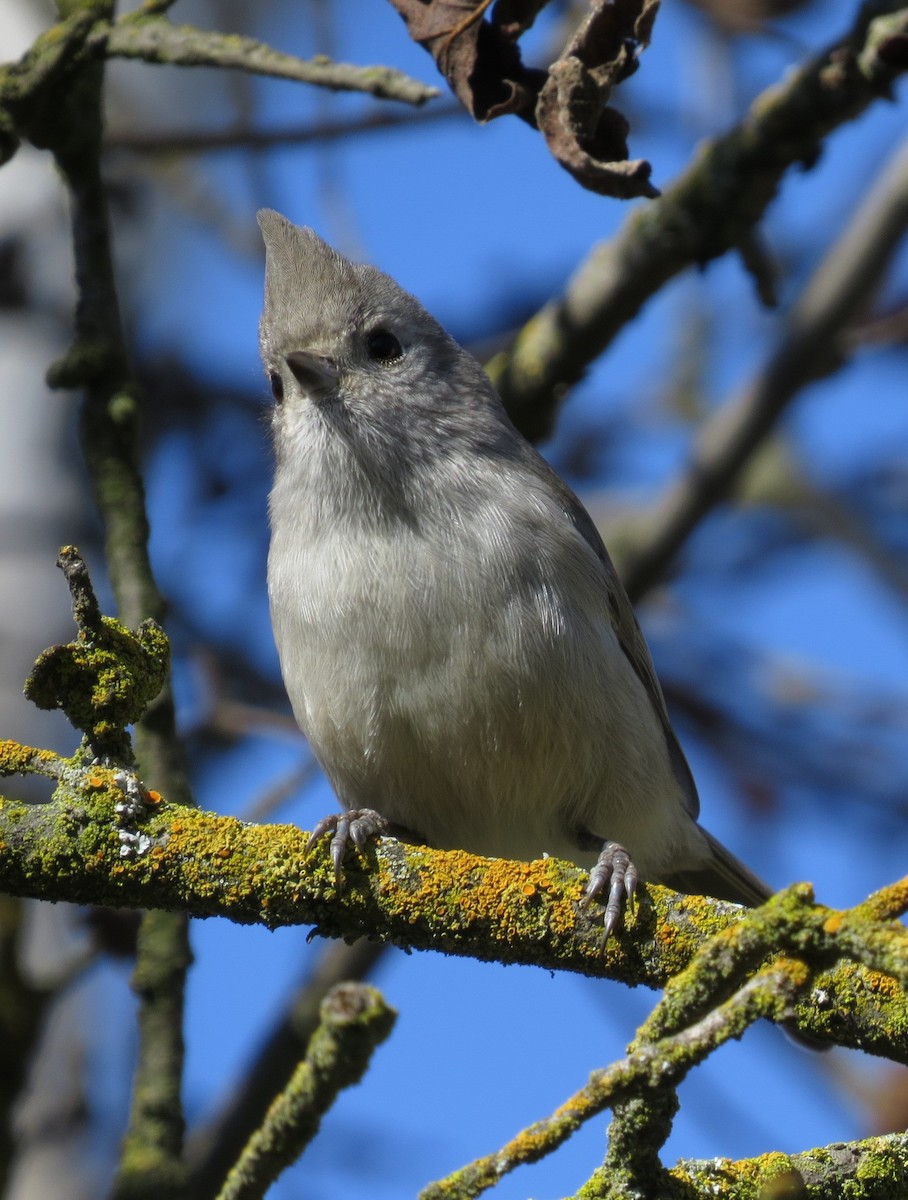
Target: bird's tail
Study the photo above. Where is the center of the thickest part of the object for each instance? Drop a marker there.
(722, 876)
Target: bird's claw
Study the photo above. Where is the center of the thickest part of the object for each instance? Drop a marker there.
(355, 825)
(614, 877)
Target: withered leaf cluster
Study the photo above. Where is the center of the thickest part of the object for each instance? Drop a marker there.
(475, 46)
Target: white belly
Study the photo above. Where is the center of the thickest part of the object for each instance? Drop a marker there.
(497, 716)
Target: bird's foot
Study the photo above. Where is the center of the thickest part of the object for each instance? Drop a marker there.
(354, 825)
(614, 877)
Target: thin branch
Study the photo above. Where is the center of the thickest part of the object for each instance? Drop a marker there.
(28, 760)
(651, 1067)
(716, 997)
(354, 1020)
(888, 904)
(155, 39)
(157, 6)
(711, 208)
(810, 348)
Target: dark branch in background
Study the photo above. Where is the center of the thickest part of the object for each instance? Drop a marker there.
(329, 130)
(710, 209)
(54, 97)
(568, 103)
(782, 730)
(885, 329)
(811, 346)
(23, 1005)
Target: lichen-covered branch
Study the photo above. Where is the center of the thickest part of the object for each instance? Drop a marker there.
(709, 210)
(85, 846)
(36, 93)
(873, 1169)
(717, 996)
(104, 680)
(354, 1021)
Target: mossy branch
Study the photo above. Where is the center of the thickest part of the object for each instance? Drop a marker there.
(212, 1147)
(873, 1169)
(354, 1020)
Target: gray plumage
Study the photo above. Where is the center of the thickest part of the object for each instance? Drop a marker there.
(453, 637)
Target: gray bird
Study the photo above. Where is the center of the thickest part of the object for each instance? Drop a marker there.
(454, 639)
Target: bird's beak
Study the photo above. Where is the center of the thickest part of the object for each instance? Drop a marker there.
(317, 375)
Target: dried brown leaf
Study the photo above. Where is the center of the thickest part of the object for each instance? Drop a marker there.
(569, 103)
(481, 64)
(588, 138)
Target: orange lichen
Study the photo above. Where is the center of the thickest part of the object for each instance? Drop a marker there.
(883, 985)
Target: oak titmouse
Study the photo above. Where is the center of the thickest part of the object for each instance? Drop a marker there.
(453, 637)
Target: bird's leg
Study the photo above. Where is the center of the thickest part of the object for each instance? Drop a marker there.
(355, 825)
(615, 877)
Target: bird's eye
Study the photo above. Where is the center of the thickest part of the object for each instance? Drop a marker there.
(277, 386)
(383, 346)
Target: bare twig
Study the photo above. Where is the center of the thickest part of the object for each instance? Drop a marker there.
(156, 39)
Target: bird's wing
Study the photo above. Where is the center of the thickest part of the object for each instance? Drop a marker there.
(631, 640)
